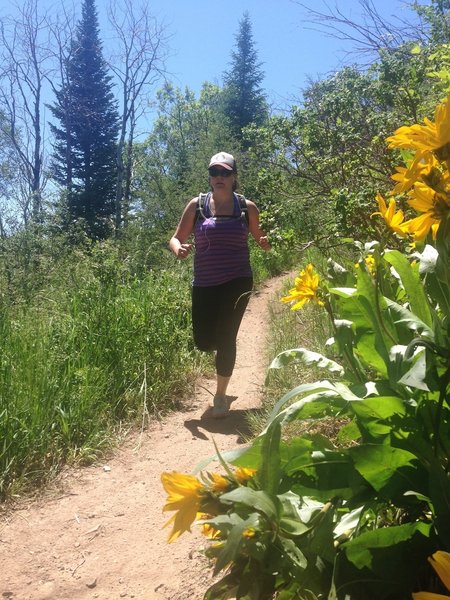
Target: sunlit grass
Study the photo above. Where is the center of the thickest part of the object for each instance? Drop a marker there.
(82, 359)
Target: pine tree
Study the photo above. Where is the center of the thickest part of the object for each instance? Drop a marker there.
(244, 100)
(84, 159)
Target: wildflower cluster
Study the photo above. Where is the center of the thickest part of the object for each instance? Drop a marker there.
(426, 177)
(197, 500)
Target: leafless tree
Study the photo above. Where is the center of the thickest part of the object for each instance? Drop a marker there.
(138, 64)
(369, 33)
(62, 30)
(24, 66)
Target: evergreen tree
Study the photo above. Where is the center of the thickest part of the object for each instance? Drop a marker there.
(244, 101)
(84, 157)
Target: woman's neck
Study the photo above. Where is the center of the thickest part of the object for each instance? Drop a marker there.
(222, 195)
(222, 202)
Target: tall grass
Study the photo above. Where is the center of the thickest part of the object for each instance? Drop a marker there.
(90, 338)
(74, 362)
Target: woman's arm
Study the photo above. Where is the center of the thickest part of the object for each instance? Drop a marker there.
(254, 227)
(178, 242)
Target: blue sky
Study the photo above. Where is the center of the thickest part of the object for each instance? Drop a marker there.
(203, 36)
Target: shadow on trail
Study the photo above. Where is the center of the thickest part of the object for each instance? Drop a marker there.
(235, 423)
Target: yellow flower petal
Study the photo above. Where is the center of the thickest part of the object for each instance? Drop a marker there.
(184, 495)
(243, 474)
(420, 226)
(306, 286)
(430, 136)
(440, 561)
(219, 483)
(249, 532)
(393, 218)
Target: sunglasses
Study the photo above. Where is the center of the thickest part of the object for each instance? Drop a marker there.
(219, 172)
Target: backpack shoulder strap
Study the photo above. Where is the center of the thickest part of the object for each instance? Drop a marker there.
(200, 206)
(243, 205)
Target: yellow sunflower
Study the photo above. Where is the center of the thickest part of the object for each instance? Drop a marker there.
(184, 496)
(394, 219)
(243, 474)
(434, 208)
(219, 483)
(431, 136)
(305, 290)
(440, 562)
(406, 177)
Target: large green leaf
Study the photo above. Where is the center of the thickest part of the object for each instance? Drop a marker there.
(303, 388)
(257, 500)
(365, 350)
(329, 399)
(293, 552)
(383, 563)
(390, 471)
(326, 474)
(378, 416)
(292, 520)
(413, 285)
(405, 317)
(417, 374)
(305, 357)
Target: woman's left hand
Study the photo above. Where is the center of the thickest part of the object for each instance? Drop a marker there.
(264, 242)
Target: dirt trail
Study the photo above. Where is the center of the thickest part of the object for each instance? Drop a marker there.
(97, 534)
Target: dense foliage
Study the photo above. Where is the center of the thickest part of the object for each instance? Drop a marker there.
(356, 520)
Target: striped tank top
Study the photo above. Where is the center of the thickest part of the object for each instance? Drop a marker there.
(221, 248)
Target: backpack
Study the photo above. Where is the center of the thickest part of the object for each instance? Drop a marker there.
(201, 203)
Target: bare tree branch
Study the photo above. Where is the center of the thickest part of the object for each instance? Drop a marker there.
(370, 34)
(138, 66)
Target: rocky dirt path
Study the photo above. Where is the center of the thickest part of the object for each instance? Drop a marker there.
(97, 534)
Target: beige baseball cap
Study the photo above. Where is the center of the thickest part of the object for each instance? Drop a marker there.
(223, 159)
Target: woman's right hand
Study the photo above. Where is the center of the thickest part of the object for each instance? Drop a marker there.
(184, 251)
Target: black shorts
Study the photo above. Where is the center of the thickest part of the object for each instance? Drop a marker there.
(217, 313)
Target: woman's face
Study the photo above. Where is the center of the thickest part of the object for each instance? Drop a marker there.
(221, 178)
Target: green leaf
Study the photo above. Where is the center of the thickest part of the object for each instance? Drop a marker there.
(345, 292)
(291, 521)
(349, 522)
(300, 389)
(377, 565)
(225, 588)
(358, 550)
(324, 390)
(325, 475)
(404, 316)
(293, 552)
(390, 471)
(416, 375)
(269, 473)
(413, 285)
(256, 499)
(230, 551)
(306, 357)
(427, 259)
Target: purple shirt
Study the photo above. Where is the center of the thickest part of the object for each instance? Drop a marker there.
(221, 248)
